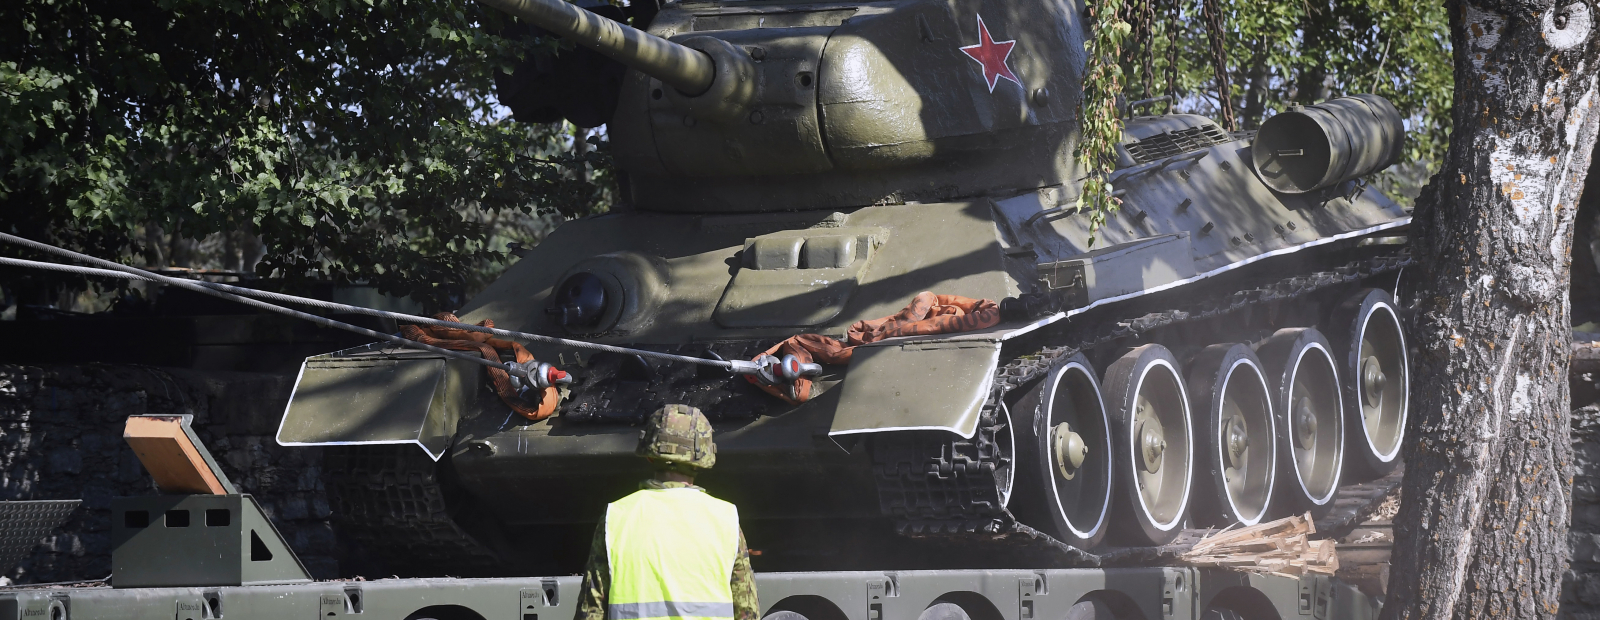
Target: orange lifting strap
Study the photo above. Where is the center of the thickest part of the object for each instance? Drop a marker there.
(489, 347)
(927, 314)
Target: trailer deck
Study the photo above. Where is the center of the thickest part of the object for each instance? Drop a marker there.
(1155, 593)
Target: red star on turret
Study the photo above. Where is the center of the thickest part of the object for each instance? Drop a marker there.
(992, 56)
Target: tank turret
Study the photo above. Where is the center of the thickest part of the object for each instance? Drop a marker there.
(771, 107)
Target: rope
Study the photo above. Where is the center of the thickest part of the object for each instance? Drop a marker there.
(212, 288)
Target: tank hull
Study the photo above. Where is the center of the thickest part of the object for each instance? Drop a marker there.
(774, 467)
(910, 441)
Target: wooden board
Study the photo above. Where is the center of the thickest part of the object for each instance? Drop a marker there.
(169, 456)
(1364, 550)
(1282, 547)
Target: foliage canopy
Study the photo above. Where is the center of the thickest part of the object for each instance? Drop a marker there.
(1297, 53)
(358, 140)
(1274, 54)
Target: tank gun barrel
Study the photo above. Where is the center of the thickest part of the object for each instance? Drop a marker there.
(684, 68)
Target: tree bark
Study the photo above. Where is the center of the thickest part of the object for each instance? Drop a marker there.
(1482, 530)
(1255, 92)
(1311, 84)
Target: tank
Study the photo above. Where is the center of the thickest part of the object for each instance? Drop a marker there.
(1225, 349)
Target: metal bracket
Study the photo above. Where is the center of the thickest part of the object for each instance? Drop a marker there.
(1175, 597)
(532, 600)
(1027, 588)
(1324, 598)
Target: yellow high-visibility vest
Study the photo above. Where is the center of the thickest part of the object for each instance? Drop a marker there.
(671, 553)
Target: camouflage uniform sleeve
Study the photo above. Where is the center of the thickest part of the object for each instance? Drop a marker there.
(597, 578)
(745, 604)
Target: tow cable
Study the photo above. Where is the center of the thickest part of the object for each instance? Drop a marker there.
(766, 369)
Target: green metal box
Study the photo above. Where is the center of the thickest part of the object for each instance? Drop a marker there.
(197, 540)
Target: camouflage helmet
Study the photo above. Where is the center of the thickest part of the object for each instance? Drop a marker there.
(678, 437)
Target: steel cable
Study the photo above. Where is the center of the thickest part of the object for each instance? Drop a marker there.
(246, 295)
(200, 287)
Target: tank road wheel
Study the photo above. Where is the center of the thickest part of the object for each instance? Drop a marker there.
(1237, 449)
(1005, 446)
(1151, 432)
(1371, 349)
(1064, 455)
(1310, 420)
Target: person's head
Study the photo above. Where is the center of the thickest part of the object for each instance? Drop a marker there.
(677, 438)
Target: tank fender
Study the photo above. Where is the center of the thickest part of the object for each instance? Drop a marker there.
(341, 401)
(1123, 269)
(916, 385)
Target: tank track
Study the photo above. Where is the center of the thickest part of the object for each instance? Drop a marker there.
(938, 485)
(391, 502)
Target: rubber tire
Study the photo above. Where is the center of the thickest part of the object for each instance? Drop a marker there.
(1037, 503)
(1135, 526)
(944, 610)
(1210, 507)
(1276, 353)
(1362, 462)
(1090, 610)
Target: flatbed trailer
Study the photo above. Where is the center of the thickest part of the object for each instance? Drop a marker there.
(1151, 593)
(204, 551)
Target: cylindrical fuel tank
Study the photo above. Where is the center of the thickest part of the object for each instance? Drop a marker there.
(1309, 148)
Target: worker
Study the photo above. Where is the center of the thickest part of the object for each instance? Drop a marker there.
(669, 550)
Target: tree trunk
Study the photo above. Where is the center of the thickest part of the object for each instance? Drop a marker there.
(231, 259)
(580, 147)
(254, 250)
(1482, 530)
(1311, 84)
(155, 256)
(1255, 92)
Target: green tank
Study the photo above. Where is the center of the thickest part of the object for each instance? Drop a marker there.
(1225, 349)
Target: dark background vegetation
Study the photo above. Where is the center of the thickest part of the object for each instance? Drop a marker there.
(330, 140)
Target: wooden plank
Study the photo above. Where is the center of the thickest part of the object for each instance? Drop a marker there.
(1354, 503)
(1281, 547)
(1358, 556)
(169, 456)
(1369, 536)
(1372, 579)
